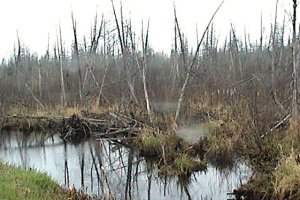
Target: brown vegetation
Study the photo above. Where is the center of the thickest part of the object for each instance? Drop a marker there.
(241, 90)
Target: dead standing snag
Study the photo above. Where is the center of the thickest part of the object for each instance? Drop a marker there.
(189, 69)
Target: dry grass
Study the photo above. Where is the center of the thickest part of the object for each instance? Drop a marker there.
(224, 127)
(170, 153)
(68, 111)
(287, 178)
(150, 144)
(293, 131)
(157, 144)
(48, 111)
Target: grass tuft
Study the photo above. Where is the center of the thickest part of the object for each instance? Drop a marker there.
(17, 183)
(173, 157)
(287, 178)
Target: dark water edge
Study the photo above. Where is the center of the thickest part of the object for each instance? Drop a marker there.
(104, 167)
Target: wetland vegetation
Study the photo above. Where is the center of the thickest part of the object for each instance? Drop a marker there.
(181, 113)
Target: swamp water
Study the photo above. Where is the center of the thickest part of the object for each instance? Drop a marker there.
(104, 167)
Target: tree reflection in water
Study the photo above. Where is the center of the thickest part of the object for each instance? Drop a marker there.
(108, 169)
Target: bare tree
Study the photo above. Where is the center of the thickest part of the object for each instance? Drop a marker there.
(76, 51)
(275, 47)
(61, 57)
(124, 51)
(234, 53)
(295, 112)
(189, 69)
(96, 34)
(145, 50)
(261, 33)
(40, 81)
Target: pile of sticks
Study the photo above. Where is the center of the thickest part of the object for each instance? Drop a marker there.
(76, 128)
(113, 126)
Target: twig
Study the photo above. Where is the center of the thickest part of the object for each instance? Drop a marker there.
(121, 130)
(36, 99)
(277, 125)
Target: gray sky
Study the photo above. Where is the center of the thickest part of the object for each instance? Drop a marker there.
(36, 19)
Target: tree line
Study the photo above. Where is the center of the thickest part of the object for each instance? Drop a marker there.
(116, 66)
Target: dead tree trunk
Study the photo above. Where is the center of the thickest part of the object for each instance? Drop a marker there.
(145, 49)
(189, 69)
(62, 82)
(124, 50)
(235, 52)
(295, 112)
(18, 60)
(76, 51)
(261, 34)
(40, 81)
(33, 96)
(275, 47)
(175, 66)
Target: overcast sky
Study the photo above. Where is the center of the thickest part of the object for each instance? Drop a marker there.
(35, 20)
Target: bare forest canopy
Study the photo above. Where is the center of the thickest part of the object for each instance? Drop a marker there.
(116, 66)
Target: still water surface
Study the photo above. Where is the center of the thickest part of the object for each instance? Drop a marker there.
(104, 167)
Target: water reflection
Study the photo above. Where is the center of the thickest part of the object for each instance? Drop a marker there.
(108, 169)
